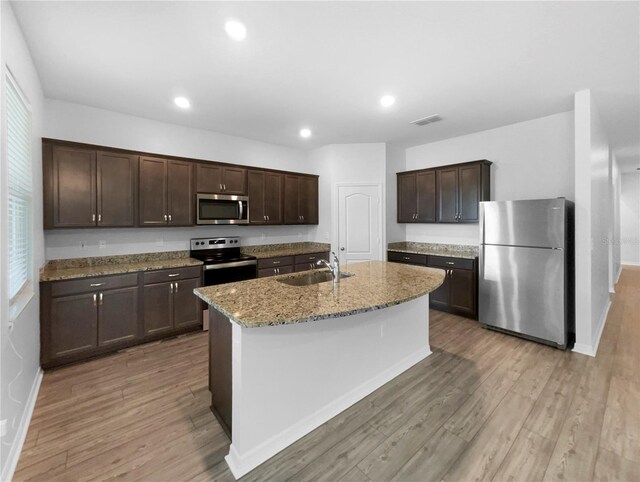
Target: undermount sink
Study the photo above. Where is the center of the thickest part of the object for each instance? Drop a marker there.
(312, 278)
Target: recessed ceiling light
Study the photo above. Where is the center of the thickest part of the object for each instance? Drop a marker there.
(236, 30)
(182, 102)
(305, 133)
(387, 100)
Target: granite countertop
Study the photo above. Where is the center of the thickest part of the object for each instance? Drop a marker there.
(286, 249)
(374, 285)
(435, 249)
(62, 269)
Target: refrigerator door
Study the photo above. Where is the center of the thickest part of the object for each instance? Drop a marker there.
(539, 223)
(523, 290)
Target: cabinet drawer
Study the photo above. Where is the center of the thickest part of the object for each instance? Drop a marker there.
(275, 262)
(172, 274)
(311, 258)
(305, 267)
(61, 288)
(407, 257)
(446, 262)
(264, 272)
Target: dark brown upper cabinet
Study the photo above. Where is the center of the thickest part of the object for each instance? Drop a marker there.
(447, 194)
(417, 197)
(265, 197)
(300, 199)
(166, 192)
(218, 179)
(88, 188)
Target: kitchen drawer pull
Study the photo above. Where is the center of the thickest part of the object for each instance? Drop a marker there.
(174, 275)
(406, 257)
(450, 262)
(276, 262)
(312, 257)
(93, 285)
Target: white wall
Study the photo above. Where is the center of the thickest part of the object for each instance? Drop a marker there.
(630, 218)
(395, 162)
(80, 123)
(342, 163)
(19, 346)
(532, 160)
(614, 209)
(593, 223)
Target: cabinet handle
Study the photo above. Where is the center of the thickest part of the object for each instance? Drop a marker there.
(220, 187)
(93, 218)
(406, 257)
(165, 218)
(171, 288)
(264, 218)
(175, 287)
(303, 218)
(224, 186)
(100, 299)
(95, 299)
(169, 217)
(450, 263)
(93, 285)
(99, 218)
(268, 219)
(312, 257)
(276, 262)
(174, 275)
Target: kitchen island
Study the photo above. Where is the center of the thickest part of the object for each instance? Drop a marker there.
(285, 359)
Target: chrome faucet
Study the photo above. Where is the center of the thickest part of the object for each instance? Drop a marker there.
(334, 268)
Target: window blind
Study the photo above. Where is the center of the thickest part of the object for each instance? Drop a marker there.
(19, 188)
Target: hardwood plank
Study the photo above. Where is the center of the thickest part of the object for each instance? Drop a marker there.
(611, 467)
(574, 456)
(355, 475)
(527, 459)
(621, 428)
(485, 453)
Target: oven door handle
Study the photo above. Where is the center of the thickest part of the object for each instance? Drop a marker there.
(234, 264)
(241, 210)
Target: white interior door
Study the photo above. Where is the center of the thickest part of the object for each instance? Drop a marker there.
(359, 223)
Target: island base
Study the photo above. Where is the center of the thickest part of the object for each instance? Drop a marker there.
(282, 382)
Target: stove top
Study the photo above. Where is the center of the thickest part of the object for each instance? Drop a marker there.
(218, 250)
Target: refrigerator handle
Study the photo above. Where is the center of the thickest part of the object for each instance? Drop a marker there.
(481, 264)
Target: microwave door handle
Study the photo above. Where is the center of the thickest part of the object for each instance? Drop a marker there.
(241, 210)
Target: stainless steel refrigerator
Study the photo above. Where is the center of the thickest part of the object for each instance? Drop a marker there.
(526, 269)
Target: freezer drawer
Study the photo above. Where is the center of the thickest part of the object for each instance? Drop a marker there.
(523, 290)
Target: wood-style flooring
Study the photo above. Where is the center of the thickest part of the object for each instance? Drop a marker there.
(484, 406)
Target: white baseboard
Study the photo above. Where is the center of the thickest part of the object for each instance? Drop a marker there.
(631, 263)
(241, 464)
(23, 428)
(592, 350)
(619, 273)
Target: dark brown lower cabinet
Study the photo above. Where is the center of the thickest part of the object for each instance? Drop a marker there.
(289, 264)
(458, 294)
(220, 365)
(86, 317)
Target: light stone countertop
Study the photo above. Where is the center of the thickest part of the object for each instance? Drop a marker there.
(435, 249)
(285, 249)
(64, 269)
(267, 302)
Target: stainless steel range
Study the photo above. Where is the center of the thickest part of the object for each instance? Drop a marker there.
(223, 261)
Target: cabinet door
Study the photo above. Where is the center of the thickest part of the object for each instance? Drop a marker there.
(181, 201)
(426, 188)
(234, 180)
(153, 191)
(187, 308)
(116, 189)
(273, 199)
(158, 308)
(256, 186)
(407, 198)
(117, 316)
(209, 179)
(74, 324)
(291, 200)
(74, 187)
(463, 292)
(308, 199)
(439, 298)
(447, 188)
(469, 179)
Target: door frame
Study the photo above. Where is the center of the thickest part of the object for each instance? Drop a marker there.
(381, 215)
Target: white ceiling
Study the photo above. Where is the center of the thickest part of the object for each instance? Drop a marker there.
(325, 65)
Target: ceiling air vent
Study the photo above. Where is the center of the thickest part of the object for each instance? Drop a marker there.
(427, 120)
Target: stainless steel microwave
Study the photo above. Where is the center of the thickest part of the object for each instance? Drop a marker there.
(222, 209)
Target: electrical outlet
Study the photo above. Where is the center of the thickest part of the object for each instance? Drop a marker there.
(102, 244)
(3, 427)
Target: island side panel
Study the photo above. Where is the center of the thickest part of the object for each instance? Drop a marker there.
(290, 379)
(220, 368)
